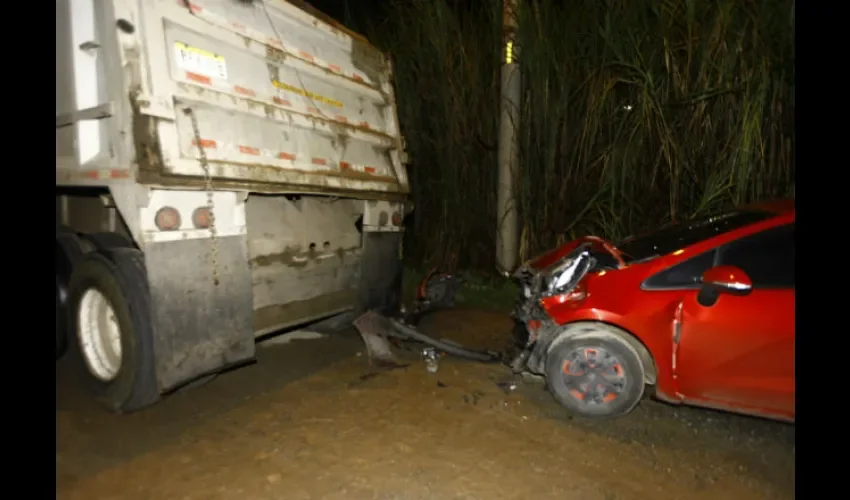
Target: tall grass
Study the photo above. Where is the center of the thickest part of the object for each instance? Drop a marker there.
(633, 113)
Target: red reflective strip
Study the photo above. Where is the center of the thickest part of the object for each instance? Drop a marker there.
(243, 91)
(341, 118)
(364, 125)
(192, 7)
(334, 67)
(198, 78)
(238, 26)
(311, 109)
(286, 156)
(207, 143)
(344, 165)
(369, 170)
(305, 55)
(357, 77)
(248, 150)
(282, 102)
(320, 161)
(103, 174)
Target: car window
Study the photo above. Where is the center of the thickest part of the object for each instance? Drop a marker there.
(684, 275)
(767, 257)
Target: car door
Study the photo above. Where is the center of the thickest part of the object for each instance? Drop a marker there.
(739, 352)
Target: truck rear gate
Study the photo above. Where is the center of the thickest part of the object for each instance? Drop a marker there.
(257, 131)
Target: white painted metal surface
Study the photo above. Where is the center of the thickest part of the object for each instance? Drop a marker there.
(302, 250)
(99, 335)
(378, 216)
(285, 103)
(229, 214)
(282, 98)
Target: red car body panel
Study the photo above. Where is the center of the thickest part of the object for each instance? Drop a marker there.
(737, 355)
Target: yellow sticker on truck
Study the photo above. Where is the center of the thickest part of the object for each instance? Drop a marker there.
(306, 93)
(200, 61)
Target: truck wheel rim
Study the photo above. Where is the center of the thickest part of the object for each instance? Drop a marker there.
(100, 335)
(593, 375)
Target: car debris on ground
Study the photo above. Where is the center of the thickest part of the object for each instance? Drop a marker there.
(379, 332)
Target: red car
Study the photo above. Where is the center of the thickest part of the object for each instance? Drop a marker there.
(702, 312)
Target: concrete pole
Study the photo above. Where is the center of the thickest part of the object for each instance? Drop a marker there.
(507, 229)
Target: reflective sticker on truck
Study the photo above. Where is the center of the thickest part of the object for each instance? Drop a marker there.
(200, 61)
(306, 93)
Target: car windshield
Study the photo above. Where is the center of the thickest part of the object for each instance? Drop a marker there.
(674, 236)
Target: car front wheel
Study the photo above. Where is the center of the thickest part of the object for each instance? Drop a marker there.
(597, 374)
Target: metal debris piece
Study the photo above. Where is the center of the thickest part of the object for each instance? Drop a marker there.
(400, 329)
(374, 329)
(378, 332)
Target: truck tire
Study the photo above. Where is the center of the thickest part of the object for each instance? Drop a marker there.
(67, 253)
(108, 241)
(109, 313)
(61, 339)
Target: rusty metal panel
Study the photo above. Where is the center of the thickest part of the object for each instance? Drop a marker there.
(305, 258)
(280, 96)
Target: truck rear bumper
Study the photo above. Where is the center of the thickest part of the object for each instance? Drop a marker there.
(202, 327)
(381, 274)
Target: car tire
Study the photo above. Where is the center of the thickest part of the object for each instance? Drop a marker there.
(586, 397)
(109, 313)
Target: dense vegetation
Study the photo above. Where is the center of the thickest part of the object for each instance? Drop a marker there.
(634, 113)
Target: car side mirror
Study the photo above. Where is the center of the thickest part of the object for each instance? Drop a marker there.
(723, 279)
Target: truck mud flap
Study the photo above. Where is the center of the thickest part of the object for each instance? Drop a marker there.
(199, 326)
(381, 272)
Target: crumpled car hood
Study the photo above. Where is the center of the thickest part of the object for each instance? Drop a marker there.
(552, 256)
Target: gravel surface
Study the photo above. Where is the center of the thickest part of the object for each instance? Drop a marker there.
(311, 420)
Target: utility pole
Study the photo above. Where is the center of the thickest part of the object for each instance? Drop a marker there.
(507, 229)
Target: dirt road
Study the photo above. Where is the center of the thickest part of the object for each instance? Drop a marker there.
(304, 423)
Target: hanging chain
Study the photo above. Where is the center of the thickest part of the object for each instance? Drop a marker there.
(208, 187)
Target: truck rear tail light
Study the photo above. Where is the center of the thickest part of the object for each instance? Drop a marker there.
(201, 218)
(167, 219)
(397, 219)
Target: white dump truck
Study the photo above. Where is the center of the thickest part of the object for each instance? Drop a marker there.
(224, 169)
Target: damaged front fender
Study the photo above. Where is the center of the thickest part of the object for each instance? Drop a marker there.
(532, 321)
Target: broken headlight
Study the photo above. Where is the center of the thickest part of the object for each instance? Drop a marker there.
(565, 275)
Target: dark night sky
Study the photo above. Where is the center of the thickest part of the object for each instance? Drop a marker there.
(356, 13)
(333, 8)
(337, 8)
